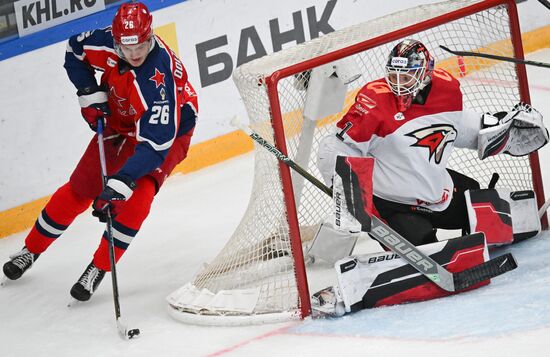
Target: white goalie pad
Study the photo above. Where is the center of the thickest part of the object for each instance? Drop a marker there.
(504, 216)
(332, 244)
(378, 279)
(342, 218)
(337, 237)
(489, 212)
(525, 217)
(517, 133)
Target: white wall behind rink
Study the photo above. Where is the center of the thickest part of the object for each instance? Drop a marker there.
(42, 134)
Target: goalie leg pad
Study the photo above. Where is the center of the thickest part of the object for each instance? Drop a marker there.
(332, 244)
(525, 217)
(353, 187)
(489, 212)
(379, 279)
(352, 192)
(503, 216)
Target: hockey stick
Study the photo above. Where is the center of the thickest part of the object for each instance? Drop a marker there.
(495, 57)
(543, 208)
(545, 3)
(122, 327)
(398, 244)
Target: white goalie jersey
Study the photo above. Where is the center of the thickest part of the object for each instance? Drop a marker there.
(411, 148)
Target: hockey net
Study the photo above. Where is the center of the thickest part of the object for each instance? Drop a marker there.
(259, 276)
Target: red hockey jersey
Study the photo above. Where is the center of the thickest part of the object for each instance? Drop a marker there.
(151, 104)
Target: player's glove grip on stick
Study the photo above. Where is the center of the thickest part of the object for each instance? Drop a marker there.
(118, 189)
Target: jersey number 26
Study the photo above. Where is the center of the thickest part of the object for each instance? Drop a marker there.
(161, 113)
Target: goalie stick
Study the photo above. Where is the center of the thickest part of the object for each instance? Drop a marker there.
(446, 280)
(544, 208)
(496, 57)
(123, 330)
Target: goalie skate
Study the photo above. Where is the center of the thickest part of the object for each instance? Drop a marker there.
(327, 303)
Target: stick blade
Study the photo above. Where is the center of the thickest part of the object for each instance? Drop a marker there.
(485, 271)
(126, 333)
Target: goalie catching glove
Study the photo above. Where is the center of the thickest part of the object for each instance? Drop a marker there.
(518, 132)
(119, 188)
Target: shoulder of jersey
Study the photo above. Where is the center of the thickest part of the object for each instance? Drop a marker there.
(375, 96)
(446, 89)
(161, 62)
(100, 37)
(445, 80)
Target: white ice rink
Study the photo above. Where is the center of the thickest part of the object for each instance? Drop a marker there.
(191, 219)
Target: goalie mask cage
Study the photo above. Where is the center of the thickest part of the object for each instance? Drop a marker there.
(259, 276)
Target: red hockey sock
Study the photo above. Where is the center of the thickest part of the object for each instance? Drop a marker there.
(127, 223)
(59, 213)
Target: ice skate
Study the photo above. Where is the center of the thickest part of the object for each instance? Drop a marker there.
(19, 263)
(327, 302)
(87, 284)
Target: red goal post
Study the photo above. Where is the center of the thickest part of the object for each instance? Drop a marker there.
(260, 275)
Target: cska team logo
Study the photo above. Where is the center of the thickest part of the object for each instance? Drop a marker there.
(158, 78)
(435, 138)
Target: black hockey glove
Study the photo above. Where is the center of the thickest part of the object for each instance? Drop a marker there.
(93, 104)
(118, 189)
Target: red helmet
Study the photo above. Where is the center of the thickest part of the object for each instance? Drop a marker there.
(132, 24)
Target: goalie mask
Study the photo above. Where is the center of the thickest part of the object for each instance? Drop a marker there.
(132, 25)
(408, 70)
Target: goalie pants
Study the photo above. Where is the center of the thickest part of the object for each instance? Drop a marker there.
(418, 224)
(85, 183)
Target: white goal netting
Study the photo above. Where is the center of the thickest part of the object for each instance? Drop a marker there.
(253, 279)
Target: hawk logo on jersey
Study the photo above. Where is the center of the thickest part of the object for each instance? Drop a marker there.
(158, 78)
(435, 138)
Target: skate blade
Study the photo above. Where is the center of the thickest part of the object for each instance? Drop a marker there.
(320, 313)
(74, 302)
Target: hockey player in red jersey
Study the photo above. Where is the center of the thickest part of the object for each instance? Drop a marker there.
(150, 109)
(409, 123)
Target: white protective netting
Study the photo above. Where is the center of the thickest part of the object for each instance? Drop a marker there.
(257, 261)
